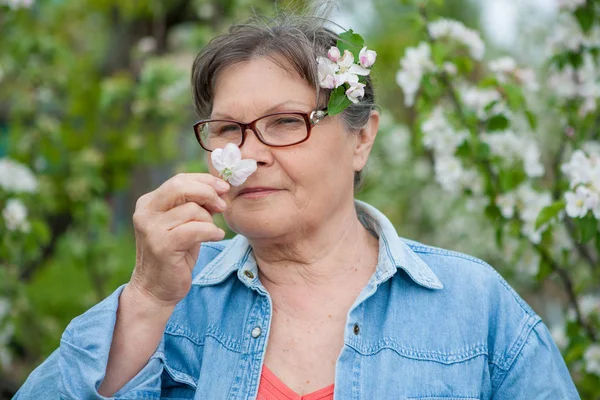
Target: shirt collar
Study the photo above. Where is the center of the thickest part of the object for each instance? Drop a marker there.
(394, 253)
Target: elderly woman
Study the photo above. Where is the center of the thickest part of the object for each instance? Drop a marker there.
(316, 297)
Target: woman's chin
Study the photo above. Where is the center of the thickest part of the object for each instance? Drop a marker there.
(259, 222)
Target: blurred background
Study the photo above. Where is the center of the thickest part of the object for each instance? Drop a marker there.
(95, 101)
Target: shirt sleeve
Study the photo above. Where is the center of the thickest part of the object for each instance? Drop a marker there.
(538, 371)
(77, 368)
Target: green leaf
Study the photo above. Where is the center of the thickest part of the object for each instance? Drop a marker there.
(510, 179)
(498, 123)
(439, 52)
(585, 17)
(544, 271)
(464, 65)
(338, 101)
(587, 227)
(532, 119)
(352, 42)
(549, 213)
(514, 96)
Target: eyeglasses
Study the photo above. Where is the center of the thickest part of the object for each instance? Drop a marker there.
(275, 130)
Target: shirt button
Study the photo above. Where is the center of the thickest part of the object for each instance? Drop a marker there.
(256, 332)
(249, 274)
(356, 329)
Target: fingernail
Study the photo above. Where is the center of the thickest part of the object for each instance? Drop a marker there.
(222, 203)
(222, 185)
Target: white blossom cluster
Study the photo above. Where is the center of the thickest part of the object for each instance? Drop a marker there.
(570, 83)
(583, 172)
(514, 148)
(506, 68)
(479, 100)
(15, 216)
(567, 35)
(591, 357)
(527, 204)
(16, 178)
(16, 4)
(440, 137)
(582, 83)
(413, 66)
(455, 30)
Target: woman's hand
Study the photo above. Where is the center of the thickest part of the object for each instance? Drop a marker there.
(170, 224)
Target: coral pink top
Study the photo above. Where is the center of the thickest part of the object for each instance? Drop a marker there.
(271, 388)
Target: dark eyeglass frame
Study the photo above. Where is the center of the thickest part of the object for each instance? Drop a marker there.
(311, 119)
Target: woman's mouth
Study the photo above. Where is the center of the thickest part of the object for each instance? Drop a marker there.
(257, 192)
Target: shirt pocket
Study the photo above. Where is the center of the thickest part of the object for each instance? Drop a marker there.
(176, 385)
(459, 372)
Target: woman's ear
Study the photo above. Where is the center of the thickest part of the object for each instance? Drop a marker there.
(364, 141)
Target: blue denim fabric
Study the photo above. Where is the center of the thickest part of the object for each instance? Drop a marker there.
(433, 324)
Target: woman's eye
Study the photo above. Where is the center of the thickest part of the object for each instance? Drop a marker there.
(288, 121)
(228, 129)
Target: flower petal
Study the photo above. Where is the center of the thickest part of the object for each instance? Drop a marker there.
(216, 157)
(242, 170)
(358, 70)
(231, 155)
(346, 61)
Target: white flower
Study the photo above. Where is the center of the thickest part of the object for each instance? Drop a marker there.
(416, 63)
(478, 100)
(577, 202)
(146, 45)
(559, 336)
(529, 205)
(512, 148)
(356, 91)
(507, 202)
(439, 135)
(15, 177)
(583, 169)
(450, 68)
(448, 173)
(15, 216)
(448, 28)
(592, 359)
(589, 305)
(570, 5)
(228, 161)
(334, 54)
(326, 70)
(578, 84)
(15, 4)
(506, 67)
(335, 71)
(367, 57)
(348, 70)
(531, 160)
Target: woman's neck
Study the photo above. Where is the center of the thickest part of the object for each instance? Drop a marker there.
(340, 254)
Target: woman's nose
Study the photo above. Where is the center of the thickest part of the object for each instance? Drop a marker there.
(255, 149)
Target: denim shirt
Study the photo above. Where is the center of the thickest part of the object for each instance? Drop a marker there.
(430, 324)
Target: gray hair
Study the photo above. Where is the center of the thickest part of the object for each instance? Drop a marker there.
(290, 40)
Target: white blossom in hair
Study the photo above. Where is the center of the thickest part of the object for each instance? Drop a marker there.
(344, 72)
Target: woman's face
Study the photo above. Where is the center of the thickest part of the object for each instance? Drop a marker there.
(303, 185)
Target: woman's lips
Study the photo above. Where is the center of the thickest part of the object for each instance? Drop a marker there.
(257, 192)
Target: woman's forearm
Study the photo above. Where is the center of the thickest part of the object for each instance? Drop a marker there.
(138, 331)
